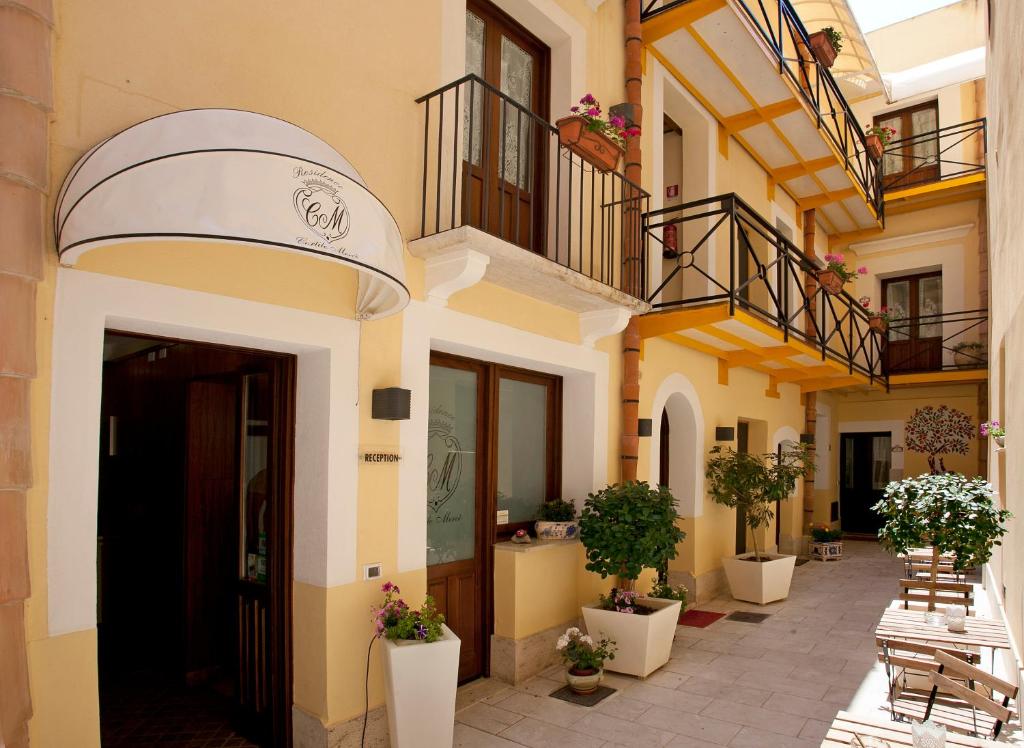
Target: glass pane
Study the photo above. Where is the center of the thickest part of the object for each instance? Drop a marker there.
(522, 448)
(255, 480)
(472, 113)
(848, 447)
(893, 164)
(897, 299)
(929, 302)
(881, 455)
(451, 465)
(517, 84)
(925, 150)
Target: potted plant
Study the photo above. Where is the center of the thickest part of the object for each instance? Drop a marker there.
(826, 543)
(665, 591)
(752, 483)
(877, 138)
(826, 45)
(585, 659)
(556, 520)
(952, 514)
(597, 141)
(421, 671)
(836, 274)
(995, 430)
(878, 322)
(625, 529)
(970, 354)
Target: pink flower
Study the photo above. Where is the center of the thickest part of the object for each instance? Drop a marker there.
(574, 109)
(632, 132)
(593, 111)
(862, 270)
(617, 121)
(388, 587)
(588, 99)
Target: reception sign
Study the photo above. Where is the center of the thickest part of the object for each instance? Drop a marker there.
(233, 176)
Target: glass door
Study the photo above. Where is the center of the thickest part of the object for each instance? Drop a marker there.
(915, 330)
(864, 466)
(915, 159)
(505, 137)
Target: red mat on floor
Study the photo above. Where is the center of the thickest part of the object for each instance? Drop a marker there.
(699, 618)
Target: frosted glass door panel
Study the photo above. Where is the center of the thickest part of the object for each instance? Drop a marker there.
(473, 113)
(898, 301)
(517, 84)
(522, 448)
(451, 465)
(929, 303)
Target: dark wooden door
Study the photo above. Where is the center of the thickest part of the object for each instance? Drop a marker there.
(915, 333)
(864, 462)
(913, 156)
(742, 446)
(505, 138)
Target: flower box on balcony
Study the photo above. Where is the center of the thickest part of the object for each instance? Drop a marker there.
(595, 148)
(831, 281)
(874, 144)
(823, 50)
(879, 325)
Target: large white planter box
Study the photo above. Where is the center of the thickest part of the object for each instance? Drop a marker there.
(421, 680)
(762, 582)
(644, 643)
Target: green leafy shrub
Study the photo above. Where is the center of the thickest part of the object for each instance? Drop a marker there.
(753, 483)
(627, 528)
(556, 510)
(666, 591)
(947, 511)
(835, 38)
(825, 534)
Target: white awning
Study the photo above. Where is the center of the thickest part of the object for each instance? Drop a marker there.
(233, 176)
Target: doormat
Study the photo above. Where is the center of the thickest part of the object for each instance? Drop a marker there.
(583, 699)
(744, 617)
(699, 619)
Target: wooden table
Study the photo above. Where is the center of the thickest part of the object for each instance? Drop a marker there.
(884, 733)
(910, 625)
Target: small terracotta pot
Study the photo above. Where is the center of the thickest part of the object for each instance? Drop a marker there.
(831, 281)
(595, 148)
(584, 681)
(878, 325)
(823, 50)
(875, 147)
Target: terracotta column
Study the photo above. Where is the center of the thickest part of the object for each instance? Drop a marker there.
(25, 103)
(632, 258)
(811, 398)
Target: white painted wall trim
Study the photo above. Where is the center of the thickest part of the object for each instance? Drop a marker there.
(584, 373)
(912, 240)
(686, 445)
(326, 428)
(453, 272)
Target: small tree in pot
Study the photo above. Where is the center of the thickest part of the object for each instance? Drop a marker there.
(951, 513)
(625, 529)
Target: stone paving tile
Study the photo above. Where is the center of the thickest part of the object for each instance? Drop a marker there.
(487, 718)
(470, 737)
(623, 707)
(750, 737)
(708, 729)
(755, 716)
(667, 697)
(735, 691)
(619, 732)
(537, 734)
(800, 706)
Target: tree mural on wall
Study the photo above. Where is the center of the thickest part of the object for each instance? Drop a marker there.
(939, 431)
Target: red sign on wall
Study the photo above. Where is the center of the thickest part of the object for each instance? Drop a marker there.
(672, 190)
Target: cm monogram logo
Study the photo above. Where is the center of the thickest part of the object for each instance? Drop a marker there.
(319, 205)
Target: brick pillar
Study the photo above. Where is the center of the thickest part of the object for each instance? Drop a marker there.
(811, 398)
(25, 103)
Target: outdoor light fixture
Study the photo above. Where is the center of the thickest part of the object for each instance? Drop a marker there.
(391, 404)
(725, 433)
(807, 438)
(644, 427)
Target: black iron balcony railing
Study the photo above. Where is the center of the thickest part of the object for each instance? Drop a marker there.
(783, 32)
(946, 153)
(937, 342)
(726, 252)
(491, 163)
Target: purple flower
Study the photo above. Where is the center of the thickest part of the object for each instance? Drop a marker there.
(618, 121)
(995, 424)
(574, 109)
(387, 587)
(983, 429)
(588, 99)
(421, 631)
(593, 111)
(862, 270)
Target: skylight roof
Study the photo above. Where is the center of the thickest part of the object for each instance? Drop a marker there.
(876, 14)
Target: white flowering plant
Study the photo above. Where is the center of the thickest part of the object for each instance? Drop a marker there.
(582, 653)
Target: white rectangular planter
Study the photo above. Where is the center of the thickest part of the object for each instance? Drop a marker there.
(762, 582)
(644, 643)
(421, 681)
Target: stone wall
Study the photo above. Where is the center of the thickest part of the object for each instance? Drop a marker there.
(25, 105)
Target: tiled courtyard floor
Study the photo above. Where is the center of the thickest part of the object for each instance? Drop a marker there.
(776, 684)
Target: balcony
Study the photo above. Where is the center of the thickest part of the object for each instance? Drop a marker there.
(935, 168)
(937, 348)
(738, 290)
(748, 62)
(532, 216)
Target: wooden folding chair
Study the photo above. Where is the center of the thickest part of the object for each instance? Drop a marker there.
(955, 702)
(934, 593)
(905, 659)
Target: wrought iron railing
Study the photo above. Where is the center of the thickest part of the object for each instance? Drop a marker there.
(946, 153)
(725, 252)
(783, 32)
(938, 342)
(491, 163)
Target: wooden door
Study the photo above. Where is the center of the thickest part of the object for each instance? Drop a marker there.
(915, 333)
(505, 138)
(864, 463)
(742, 446)
(913, 157)
(457, 556)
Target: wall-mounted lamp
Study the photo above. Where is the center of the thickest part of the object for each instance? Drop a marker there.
(897, 448)
(807, 438)
(391, 404)
(645, 427)
(725, 433)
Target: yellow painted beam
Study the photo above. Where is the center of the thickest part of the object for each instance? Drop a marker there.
(848, 237)
(723, 141)
(773, 388)
(754, 117)
(910, 206)
(960, 376)
(830, 383)
(800, 372)
(723, 372)
(794, 171)
(757, 354)
(660, 323)
(816, 201)
(695, 345)
(770, 189)
(932, 187)
(671, 21)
